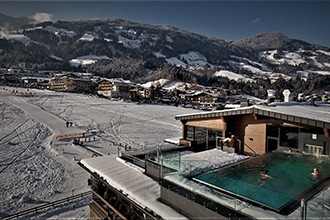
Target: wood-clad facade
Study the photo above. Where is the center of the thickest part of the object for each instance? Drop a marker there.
(110, 88)
(258, 130)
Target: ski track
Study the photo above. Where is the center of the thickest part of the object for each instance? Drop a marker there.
(35, 172)
(29, 168)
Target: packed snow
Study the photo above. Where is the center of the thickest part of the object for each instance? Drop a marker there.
(36, 168)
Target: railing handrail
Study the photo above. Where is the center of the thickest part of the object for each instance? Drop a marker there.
(110, 206)
(134, 160)
(254, 153)
(51, 204)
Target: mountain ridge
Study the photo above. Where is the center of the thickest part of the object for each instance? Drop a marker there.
(136, 51)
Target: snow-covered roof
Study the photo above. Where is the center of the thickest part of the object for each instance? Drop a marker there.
(317, 115)
(144, 190)
(133, 182)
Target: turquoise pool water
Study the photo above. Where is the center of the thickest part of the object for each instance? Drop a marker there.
(291, 178)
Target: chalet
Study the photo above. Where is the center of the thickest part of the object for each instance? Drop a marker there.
(114, 88)
(121, 89)
(105, 87)
(37, 82)
(9, 78)
(64, 83)
(205, 100)
(135, 93)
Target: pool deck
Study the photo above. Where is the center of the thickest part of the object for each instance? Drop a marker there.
(102, 165)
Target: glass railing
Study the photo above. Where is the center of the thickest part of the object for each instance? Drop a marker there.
(282, 199)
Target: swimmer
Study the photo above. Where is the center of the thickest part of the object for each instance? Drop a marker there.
(265, 175)
(315, 172)
(315, 175)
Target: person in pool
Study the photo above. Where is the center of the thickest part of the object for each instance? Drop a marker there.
(265, 175)
(315, 174)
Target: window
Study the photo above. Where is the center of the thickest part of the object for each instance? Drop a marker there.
(289, 137)
(272, 131)
(200, 135)
(190, 133)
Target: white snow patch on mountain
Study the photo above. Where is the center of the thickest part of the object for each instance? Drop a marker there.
(290, 58)
(191, 59)
(174, 85)
(169, 39)
(316, 63)
(324, 52)
(18, 37)
(175, 61)
(194, 58)
(156, 83)
(59, 32)
(56, 57)
(107, 39)
(232, 76)
(32, 29)
(305, 73)
(86, 60)
(243, 66)
(158, 55)
(128, 42)
(88, 37)
(319, 72)
(252, 69)
(293, 59)
(243, 59)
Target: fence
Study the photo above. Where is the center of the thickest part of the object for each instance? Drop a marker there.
(46, 206)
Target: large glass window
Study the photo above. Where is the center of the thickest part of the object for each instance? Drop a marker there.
(272, 131)
(190, 133)
(212, 136)
(200, 135)
(289, 137)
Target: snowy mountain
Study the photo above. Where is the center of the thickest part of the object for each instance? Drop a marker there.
(142, 52)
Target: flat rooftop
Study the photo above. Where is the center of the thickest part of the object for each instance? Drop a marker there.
(145, 191)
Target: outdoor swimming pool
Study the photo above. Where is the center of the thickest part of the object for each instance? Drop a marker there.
(291, 179)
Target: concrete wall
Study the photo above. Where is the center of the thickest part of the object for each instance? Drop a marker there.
(152, 169)
(189, 208)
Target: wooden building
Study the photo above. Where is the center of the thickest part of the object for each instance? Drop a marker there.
(260, 128)
(105, 86)
(114, 88)
(205, 100)
(69, 84)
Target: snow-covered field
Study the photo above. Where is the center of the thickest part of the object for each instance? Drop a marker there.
(36, 168)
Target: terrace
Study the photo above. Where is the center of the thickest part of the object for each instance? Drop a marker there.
(179, 188)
